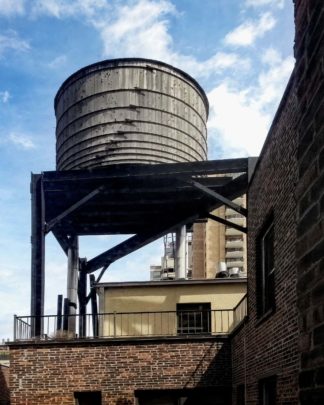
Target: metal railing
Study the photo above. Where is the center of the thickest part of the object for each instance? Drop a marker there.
(136, 324)
(239, 313)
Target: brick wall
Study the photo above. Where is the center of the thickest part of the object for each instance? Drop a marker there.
(290, 180)
(50, 373)
(269, 346)
(309, 53)
(4, 385)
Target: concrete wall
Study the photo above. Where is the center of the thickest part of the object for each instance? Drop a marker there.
(158, 297)
(47, 374)
(162, 297)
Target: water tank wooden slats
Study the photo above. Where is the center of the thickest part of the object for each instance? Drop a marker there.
(129, 111)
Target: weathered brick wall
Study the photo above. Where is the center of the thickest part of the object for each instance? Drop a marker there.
(266, 347)
(309, 53)
(4, 385)
(50, 374)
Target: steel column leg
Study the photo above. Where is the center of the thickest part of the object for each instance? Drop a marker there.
(72, 280)
(82, 292)
(37, 254)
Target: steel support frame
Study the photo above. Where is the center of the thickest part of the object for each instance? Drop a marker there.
(37, 254)
(72, 281)
(82, 295)
(219, 197)
(226, 222)
(40, 228)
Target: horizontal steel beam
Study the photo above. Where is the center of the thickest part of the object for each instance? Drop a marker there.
(224, 166)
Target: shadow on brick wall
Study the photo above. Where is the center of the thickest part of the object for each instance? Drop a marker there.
(213, 369)
(4, 388)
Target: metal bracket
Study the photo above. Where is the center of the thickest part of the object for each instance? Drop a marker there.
(227, 223)
(219, 197)
(51, 224)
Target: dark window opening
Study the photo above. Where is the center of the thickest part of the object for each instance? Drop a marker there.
(194, 318)
(268, 391)
(87, 398)
(240, 394)
(201, 396)
(265, 269)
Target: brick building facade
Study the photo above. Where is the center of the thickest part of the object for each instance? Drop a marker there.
(47, 374)
(279, 352)
(4, 385)
(309, 53)
(269, 339)
(284, 346)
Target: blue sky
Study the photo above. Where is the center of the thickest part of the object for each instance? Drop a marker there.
(240, 51)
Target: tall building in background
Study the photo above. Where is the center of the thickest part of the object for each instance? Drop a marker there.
(212, 249)
(219, 250)
(166, 270)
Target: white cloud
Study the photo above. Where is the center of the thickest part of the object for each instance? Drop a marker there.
(21, 140)
(67, 8)
(261, 3)
(12, 284)
(12, 41)
(236, 120)
(12, 7)
(4, 96)
(248, 32)
(138, 29)
(141, 30)
(57, 62)
(133, 29)
(271, 82)
(240, 117)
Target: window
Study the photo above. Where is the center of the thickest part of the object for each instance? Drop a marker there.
(201, 396)
(267, 391)
(265, 269)
(236, 249)
(236, 238)
(240, 395)
(193, 318)
(88, 398)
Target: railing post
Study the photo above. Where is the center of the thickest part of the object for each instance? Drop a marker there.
(66, 314)
(115, 324)
(15, 328)
(59, 312)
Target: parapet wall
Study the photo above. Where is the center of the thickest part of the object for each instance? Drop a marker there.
(48, 374)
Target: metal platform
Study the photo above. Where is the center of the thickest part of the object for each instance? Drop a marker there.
(147, 201)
